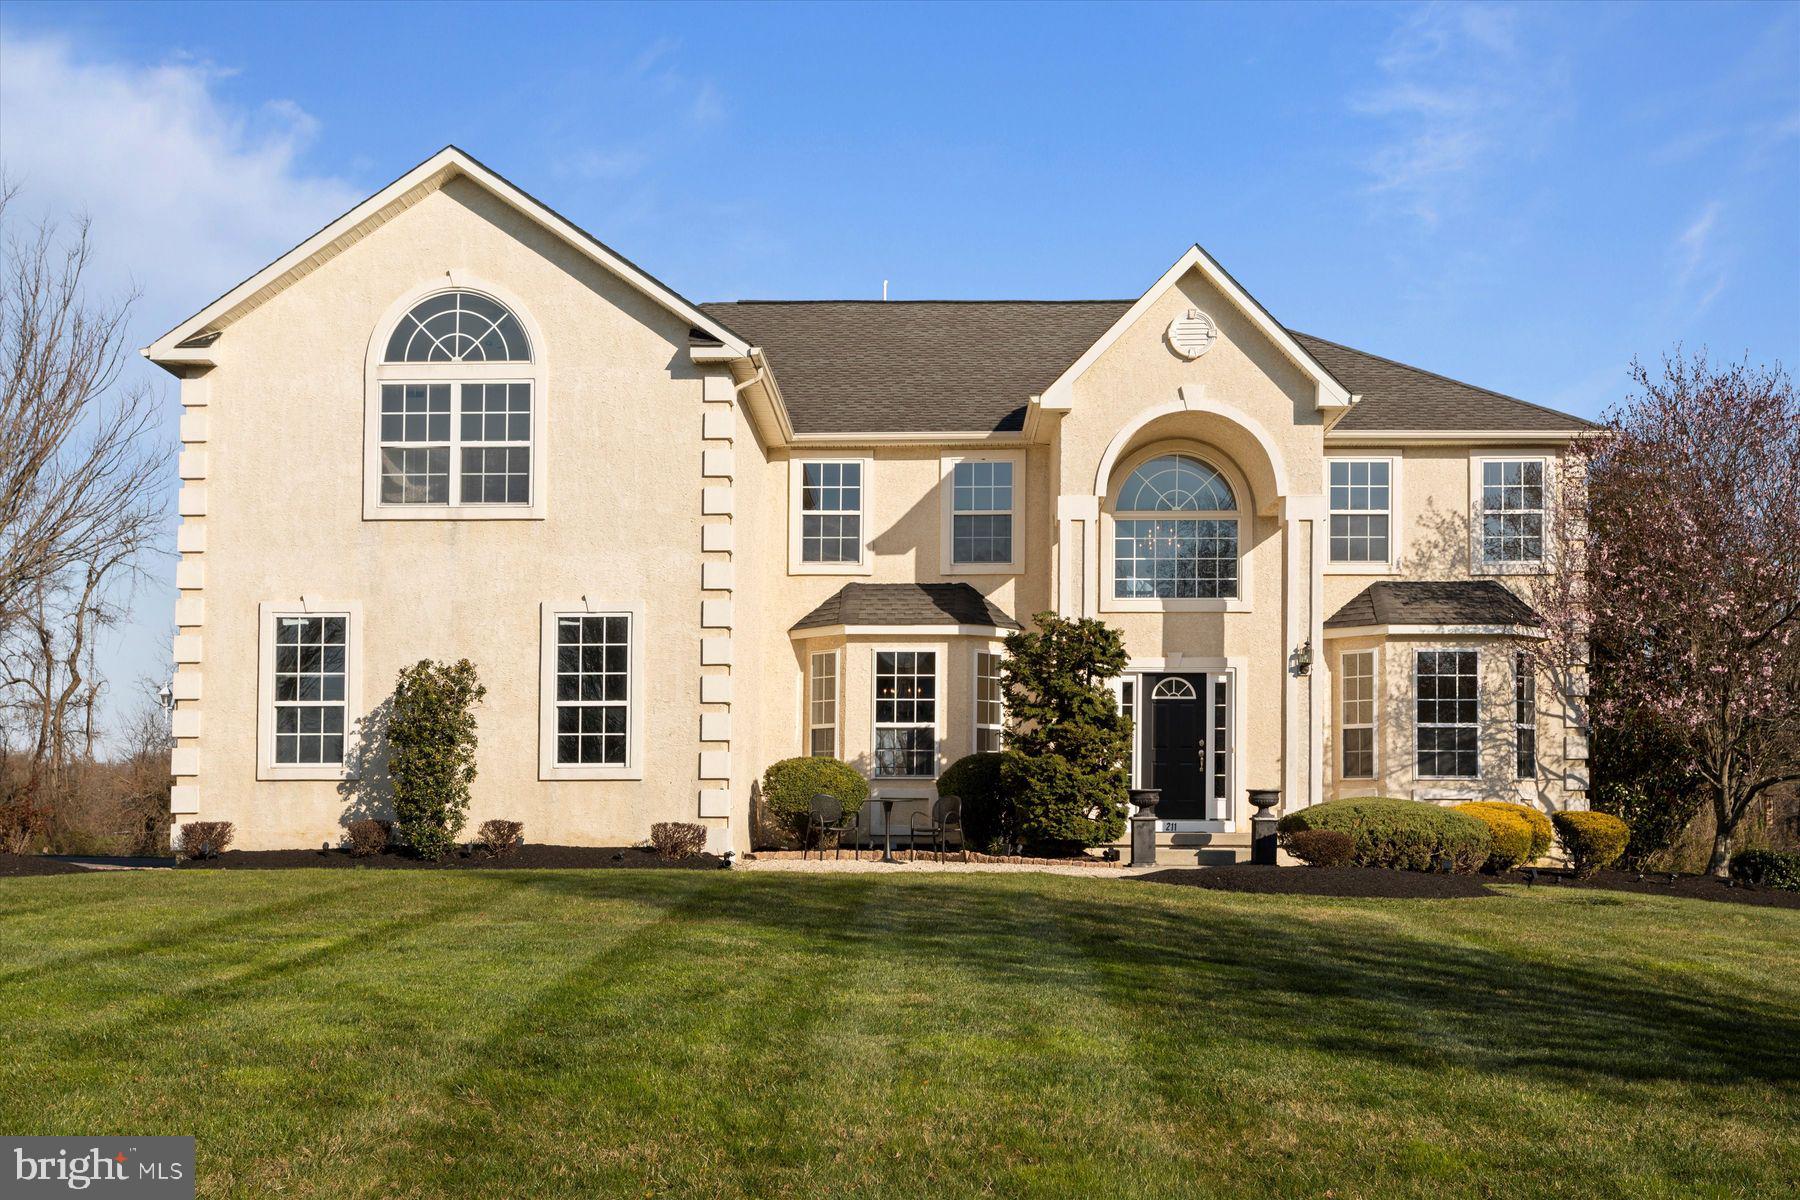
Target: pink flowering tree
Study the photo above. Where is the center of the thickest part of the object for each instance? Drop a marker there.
(1678, 535)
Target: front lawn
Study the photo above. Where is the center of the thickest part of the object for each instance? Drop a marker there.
(362, 1034)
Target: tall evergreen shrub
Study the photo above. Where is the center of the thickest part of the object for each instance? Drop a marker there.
(431, 736)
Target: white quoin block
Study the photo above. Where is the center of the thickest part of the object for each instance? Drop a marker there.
(191, 464)
(715, 689)
(1576, 779)
(190, 611)
(716, 576)
(715, 764)
(192, 501)
(717, 423)
(717, 464)
(185, 723)
(717, 389)
(717, 536)
(190, 575)
(195, 426)
(1575, 748)
(186, 685)
(190, 537)
(715, 652)
(715, 802)
(715, 614)
(716, 501)
(184, 762)
(196, 392)
(715, 727)
(187, 648)
(184, 800)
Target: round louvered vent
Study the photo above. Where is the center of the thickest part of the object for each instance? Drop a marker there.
(1192, 333)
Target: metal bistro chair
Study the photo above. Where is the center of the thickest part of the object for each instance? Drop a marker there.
(945, 818)
(827, 816)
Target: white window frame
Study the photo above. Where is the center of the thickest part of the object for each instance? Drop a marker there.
(1391, 564)
(268, 613)
(1108, 534)
(813, 724)
(1482, 565)
(1525, 671)
(947, 564)
(976, 723)
(1480, 739)
(1373, 725)
(864, 565)
(376, 373)
(942, 651)
(636, 714)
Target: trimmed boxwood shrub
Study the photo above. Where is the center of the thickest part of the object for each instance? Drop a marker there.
(1767, 868)
(987, 809)
(789, 786)
(1593, 840)
(1405, 834)
(1509, 830)
(1321, 847)
(1536, 820)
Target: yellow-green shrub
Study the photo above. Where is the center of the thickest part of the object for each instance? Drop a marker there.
(1408, 835)
(1535, 819)
(1593, 840)
(1510, 832)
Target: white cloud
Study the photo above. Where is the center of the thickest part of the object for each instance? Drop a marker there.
(1458, 93)
(188, 194)
(1700, 273)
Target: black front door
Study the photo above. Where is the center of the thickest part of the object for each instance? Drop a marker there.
(1178, 745)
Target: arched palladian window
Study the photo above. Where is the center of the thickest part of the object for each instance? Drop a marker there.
(1161, 556)
(457, 411)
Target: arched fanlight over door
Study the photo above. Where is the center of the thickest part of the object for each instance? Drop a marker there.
(1173, 688)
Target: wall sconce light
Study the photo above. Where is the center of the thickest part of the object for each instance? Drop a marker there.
(1303, 658)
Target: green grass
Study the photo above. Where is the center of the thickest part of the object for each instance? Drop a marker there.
(364, 1033)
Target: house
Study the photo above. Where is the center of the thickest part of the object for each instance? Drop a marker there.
(682, 541)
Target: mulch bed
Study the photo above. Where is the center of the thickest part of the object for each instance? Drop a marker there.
(35, 864)
(527, 857)
(931, 856)
(1379, 884)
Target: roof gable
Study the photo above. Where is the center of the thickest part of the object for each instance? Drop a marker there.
(192, 339)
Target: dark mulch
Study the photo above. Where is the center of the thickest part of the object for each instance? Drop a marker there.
(35, 864)
(1355, 882)
(1375, 883)
(528, 856)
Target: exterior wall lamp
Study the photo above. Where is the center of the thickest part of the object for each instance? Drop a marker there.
(1303, 658)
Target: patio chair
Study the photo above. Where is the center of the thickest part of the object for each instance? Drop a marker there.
(945, 819)
(827, 816)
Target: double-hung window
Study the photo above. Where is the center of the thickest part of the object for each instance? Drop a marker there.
(990, 703)
(1361, 510)
(981, 519)
(1524, 717)
(590, 704)
(308, 689)
(1446, 690)
(822, 701)
(1357, 695)
(455, 420)
(831, 513)
(905, 714)
(1512, 511)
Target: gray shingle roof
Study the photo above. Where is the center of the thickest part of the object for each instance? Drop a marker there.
(1450, 602)
(873, 366)
(1396, 396)
(906, 604)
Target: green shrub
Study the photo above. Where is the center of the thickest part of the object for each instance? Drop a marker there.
(1536, 820)
(1767, 868)
(987, 809)
(1321, 847)
(1593, 840)
(1062, 809)
(1510, 832)
(676, 840)
(1406, 834)
(788, 788)
(431, 734)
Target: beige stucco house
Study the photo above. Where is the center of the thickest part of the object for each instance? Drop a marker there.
(682, 541)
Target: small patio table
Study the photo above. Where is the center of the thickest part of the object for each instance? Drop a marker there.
(887, 831)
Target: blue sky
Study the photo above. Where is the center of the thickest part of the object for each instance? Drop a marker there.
(1524, 197)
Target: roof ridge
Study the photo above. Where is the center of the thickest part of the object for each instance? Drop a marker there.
(891, 303)
(1474, 387)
